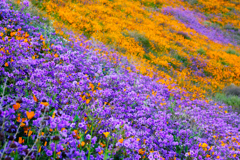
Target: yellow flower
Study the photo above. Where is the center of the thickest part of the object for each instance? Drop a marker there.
(87, 101)
(106, 134)
(204, 145)
(53, 115)
(30, 133)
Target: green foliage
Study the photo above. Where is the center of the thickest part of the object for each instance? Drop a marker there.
(153, 5)
(201, 51)
(180, 58)
(146, 56)
(192, 2)
(141, 39)
(208, 74)
(230, 100)
(185, 35)
(224, 63)
(231, 51)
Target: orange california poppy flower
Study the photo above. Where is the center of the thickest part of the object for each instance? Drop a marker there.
(35, 98)
(20, 140)
(45, 104)
(30, 115)
(16, 106)
(120, 140)
(141, 151)
(41, 37)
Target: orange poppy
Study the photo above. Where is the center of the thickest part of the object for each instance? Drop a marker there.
(141, 151)
(45, 104)
(103, 145)
(83, 143)
(30, 115)
(40, 149)
(16, 106)
(101, 152)
(120, 140)
(87, 101)
(35, 98)
(41, 37)
(20, 140)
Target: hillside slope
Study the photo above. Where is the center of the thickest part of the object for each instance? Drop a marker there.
(70, 98)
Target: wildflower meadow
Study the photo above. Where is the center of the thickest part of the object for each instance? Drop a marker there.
(119, 79)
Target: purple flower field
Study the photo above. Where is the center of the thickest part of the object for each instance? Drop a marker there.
(191, 19)
(65, 99)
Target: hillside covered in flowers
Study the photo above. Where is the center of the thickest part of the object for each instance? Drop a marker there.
(114, 79)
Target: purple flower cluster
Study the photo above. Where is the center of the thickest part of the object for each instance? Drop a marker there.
(192, 20)
(66, 99)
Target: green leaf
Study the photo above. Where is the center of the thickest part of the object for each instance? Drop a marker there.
(76, 118)
(186, 149)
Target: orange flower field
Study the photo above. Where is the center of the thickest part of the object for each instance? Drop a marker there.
(154, 41)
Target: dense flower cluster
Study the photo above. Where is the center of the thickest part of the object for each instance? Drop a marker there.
(161, 44)
(192, 20)
(66, 99)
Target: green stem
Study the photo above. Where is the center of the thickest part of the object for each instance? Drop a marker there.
(89, 147)
(16, 155)
(27, 139)
(55, 150)
(106, 151)
(37, 152)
